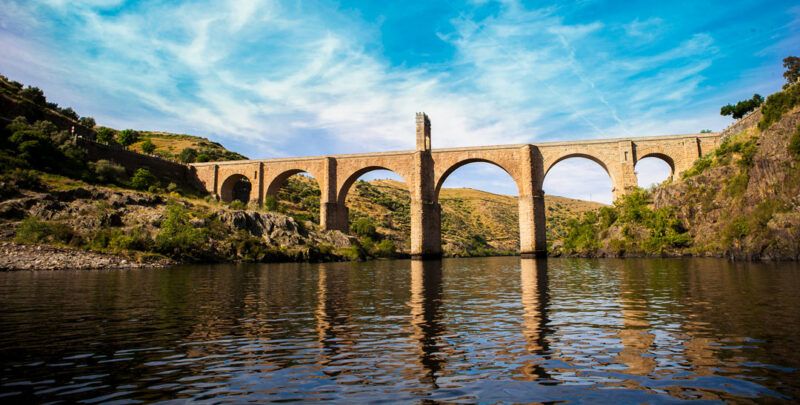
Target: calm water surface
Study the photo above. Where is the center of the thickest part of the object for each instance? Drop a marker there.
(459, 330)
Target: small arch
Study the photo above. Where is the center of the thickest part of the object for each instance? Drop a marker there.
(236, 187)
(465, 162)
(668, 160)
(653, 169)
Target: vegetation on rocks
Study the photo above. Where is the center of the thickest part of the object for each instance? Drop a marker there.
(630, 227)
(742, 201)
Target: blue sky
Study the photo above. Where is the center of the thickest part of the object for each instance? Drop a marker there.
(305, 78)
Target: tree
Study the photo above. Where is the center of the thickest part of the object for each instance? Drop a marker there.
(743, 107)
(87, 122)
(706, 131)
(127, 137)
(142, 179)
(364, 227)
(148, 146)
(188, 155)
(69, 112)
(792, 73)
(105, 135)
(34, 94)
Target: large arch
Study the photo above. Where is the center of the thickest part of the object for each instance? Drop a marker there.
(234, 187)
(578, 177)
(341, 193)
(455, 166)
(281, 179)
(390, 221)
(486, 240)
(578, 155)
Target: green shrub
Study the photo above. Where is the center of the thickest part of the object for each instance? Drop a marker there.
(364, 227)
(148, 146)
(16, 179)
(699, 166)
(249, 248)
(142, 179)
(777, 104)
(134, 239)
(106, 135)
(735, 230)
(107, 172)
(351, 253)
(748, 151)
(34, 230)
(238, 205)
(271, 203)
(385, 248)
(188, 155)
(794, 144)
(737, 184)
(127, 137)
(177, 237)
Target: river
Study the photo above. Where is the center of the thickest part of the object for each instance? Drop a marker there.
(462, 330)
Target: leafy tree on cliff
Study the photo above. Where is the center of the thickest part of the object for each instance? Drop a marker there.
(34, 94)
(106, 135)
(127, 137)
(743, 107)
(792, 73)
(87, 122)
(69, 112)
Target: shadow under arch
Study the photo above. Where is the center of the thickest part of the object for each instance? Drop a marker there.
(462, 163)
(426, 317)
(236, 187)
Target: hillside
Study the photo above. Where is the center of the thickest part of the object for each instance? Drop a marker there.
(171, 146)
(474, 222)
(742, 201)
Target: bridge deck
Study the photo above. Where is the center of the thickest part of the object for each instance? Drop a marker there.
(468, 148)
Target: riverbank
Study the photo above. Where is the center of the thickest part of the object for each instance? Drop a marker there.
(15, 256)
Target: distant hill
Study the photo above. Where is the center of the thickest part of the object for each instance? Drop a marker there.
(170, 146)
(474, 222)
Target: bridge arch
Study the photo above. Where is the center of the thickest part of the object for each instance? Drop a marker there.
(280, 180)
(662, 156)
(297, 205)
(236, 187)
(588, 156)
(461, 163)
(354, 176)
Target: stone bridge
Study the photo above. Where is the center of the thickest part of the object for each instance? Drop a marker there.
(425, 170)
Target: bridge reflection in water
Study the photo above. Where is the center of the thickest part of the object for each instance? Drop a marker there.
(468, 330)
